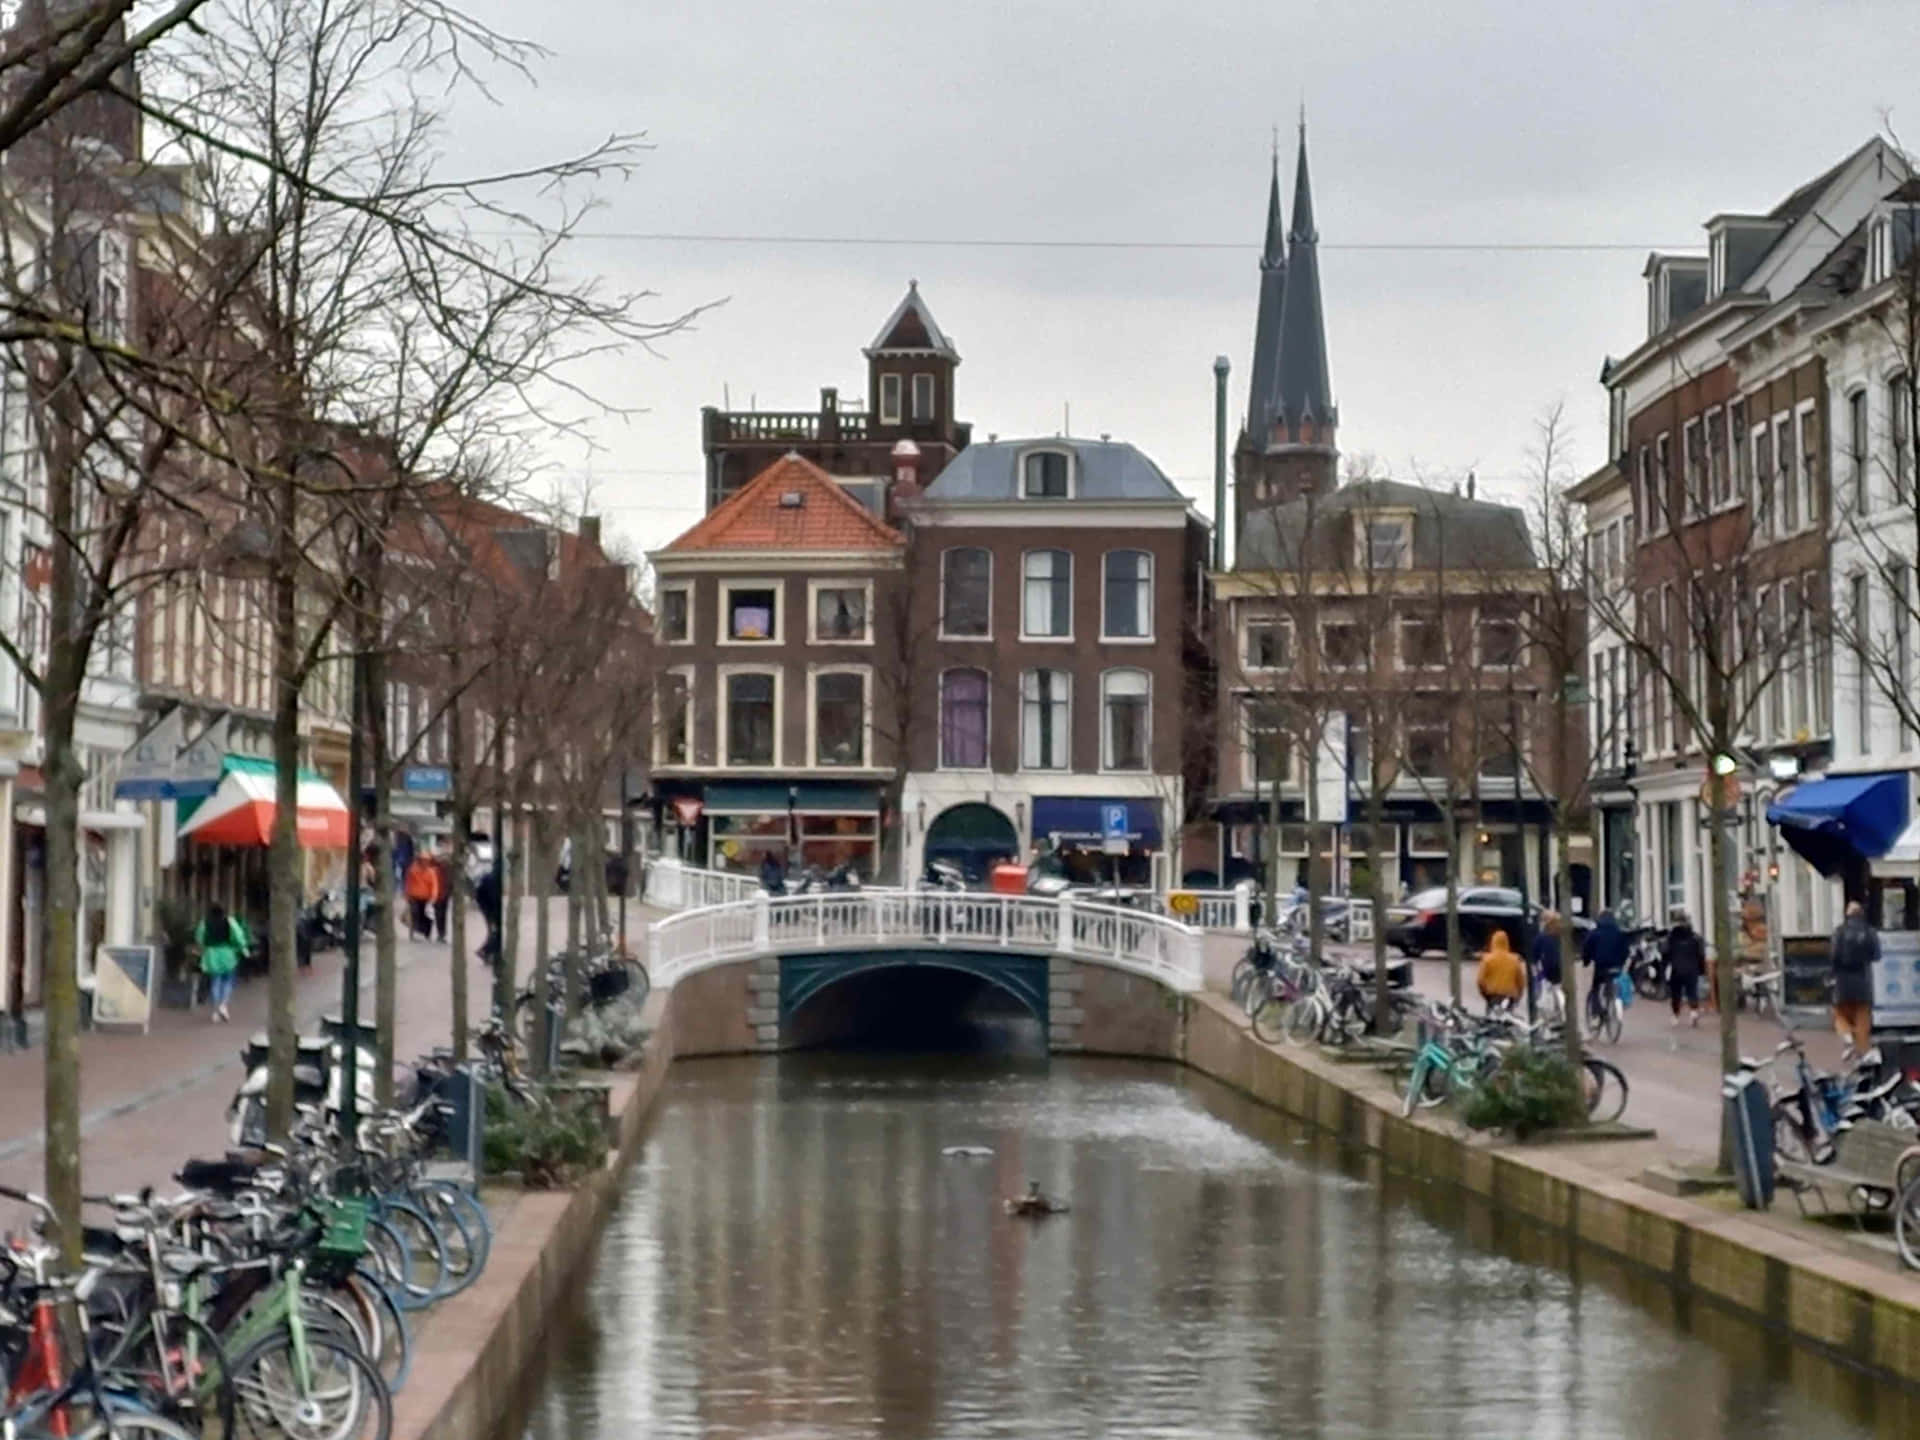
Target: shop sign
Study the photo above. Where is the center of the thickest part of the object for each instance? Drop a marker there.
(430, 782)
(687, 808)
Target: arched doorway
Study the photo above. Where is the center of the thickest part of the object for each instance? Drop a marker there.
(972, 836)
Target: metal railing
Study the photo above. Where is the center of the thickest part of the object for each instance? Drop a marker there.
(672, 885)
(1134, 940)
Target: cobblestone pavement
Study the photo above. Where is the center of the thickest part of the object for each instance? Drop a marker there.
(150, 1101)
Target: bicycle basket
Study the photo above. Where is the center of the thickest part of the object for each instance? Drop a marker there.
(343, 1237)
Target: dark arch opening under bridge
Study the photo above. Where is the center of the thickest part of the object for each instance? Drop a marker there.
(914, 1000)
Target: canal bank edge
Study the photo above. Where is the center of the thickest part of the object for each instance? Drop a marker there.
(476, 1352)
(1843, 1306)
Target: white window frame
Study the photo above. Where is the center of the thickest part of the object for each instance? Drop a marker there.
(1805, 472)
(1860, 617)
(892, 392)
(814, 587)
(1363, 542)
(1519, 662)
(683, 587)
(922, 414)
(1859, 443)
(1786, 475)
(723, 621)
(1106, 636)
(945, 556)
(1066, 735)
(1693, 480)
(685, 672)
(940, 721)
(1326, 651)
(1026, 635)
(815, 673)
(1067, 458)
(1660, 497)
(1107, 767)
(1249, 764)
(723, 721)
(1400, 638)
(1264, 622)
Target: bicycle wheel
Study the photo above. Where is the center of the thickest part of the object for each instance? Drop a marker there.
(1906, 1224)
(1437, 1087)
(136, 1425)
(388, 1259)
(177, 1368)
(1610, 1025)
(1790, 1139)
(1606, 1087)
(462, 1202)
(426, 1274)
(331, 1393)
(641, 985)
(393, 1339)
(1306, 1019)
(1270, 1017)
(466, 1244)
(1237, 986)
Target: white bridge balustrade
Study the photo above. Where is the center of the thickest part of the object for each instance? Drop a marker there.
(1135, 940)
(673, 885)
(1232, 911)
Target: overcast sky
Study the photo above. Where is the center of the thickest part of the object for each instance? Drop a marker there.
(1476, 123)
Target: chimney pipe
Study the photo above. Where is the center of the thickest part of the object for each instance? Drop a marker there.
(1220, 368)
(590, 530)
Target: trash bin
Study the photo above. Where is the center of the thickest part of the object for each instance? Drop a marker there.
(1007, 878)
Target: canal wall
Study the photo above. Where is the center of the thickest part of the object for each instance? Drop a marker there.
(1846, 1307)
(474, 1354)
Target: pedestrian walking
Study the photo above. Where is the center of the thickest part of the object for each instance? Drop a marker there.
(1546, 949)
(486, 893)
(773, 875)
(423, 888)
(1686, 959)
(1856, 950)
(443, 901)
(222, 940)
(1501, 976)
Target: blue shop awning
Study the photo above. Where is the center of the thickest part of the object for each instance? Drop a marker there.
(1077, 821)
(745, 797)
(1844, 818)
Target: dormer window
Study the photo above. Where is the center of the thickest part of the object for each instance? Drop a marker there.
(923, 397)
(889, 399)
(1386, 543)
(1890, 243)
(1044, 475)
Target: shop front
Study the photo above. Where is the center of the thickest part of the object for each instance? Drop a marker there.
(1074, 828)
(1842, 824)
(223, 838)
(804, 825)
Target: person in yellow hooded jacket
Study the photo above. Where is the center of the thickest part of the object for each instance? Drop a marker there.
(1502, 977)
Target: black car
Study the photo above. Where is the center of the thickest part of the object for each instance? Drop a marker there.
(1420, 923)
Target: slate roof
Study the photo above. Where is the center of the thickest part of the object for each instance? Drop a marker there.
(754, 518)
(912, 327)
(1448, 529)
(1263, 389)
(1104, 470)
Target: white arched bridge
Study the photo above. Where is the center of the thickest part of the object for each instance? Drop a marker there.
(1035, 948)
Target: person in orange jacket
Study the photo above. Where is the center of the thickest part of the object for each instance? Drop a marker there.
(423, 889)
(1501, 977)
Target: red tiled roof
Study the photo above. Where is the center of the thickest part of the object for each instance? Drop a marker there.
(754, 517)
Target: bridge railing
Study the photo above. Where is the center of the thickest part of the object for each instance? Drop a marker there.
(1135, 940)
(675, 885)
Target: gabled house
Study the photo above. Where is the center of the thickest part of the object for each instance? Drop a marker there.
(778, 661)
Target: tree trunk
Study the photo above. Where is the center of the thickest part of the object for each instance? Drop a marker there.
(504, 985)
(59, 930)
(1726, 984)
(388, 898)
(1452, 825)
(577, 884)
(283, 858)
(542, 886)
(457, 879)
(1376, 896)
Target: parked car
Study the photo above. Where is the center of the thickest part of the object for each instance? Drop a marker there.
(1420, 923)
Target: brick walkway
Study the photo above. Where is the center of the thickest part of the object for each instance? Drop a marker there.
(150, 1101)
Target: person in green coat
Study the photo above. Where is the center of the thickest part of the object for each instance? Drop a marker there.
(222, 940)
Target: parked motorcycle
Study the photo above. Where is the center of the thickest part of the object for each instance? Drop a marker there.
(318, 1067)
(947, 876)
(820, 882)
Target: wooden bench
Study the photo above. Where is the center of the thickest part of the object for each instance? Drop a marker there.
(1872, 1160)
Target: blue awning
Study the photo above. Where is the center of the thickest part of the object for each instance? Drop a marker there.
(1842, 819)
(1077, 821)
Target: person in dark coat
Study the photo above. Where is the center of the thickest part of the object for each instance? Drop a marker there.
(1686, 959)
(1606, 951)
(773, 875)
(1856, 950)
(486, 895)
(1546, 950)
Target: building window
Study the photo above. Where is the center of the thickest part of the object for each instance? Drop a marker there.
(889, 399)
(1343, 645)
(1046, 611)
(840, 718)
(1129, 596)
(923, 397)
(1427, 743)
(751, 719)
(1693, 463)
(1387, 545)
(1423, 644)
(840, 613)
(1044, 475)
(1719, 477)
(676, 614)
(752, 612)
(1652, 509)
(1269, 644)
(1900, 432)
(1124, 700)
(1763, 517)
(1793, 628)
(1787, 484)
(1809, 453)
(1269, 749)
(1662, 483)
(1737, 444)
(1857, 450)
(676, 718)
(963, 720)
(1900, 641)
(1499, 633)
(1861, 618)
(1044, 734)
(1359, 748)
(966, 583)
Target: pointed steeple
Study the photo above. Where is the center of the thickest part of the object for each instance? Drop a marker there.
(1305, 405)
(1262, 390)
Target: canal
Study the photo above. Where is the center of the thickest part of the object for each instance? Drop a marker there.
(796, 1255)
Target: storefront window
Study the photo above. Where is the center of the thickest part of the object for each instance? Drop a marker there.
(829, 841)
(741, 842)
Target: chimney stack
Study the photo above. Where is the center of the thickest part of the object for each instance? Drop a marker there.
(590, 530)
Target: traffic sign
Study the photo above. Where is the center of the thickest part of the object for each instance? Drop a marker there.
(1183, 902)
(1113, 830)
(1729, 791)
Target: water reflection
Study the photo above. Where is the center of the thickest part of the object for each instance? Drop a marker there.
(796, 1258)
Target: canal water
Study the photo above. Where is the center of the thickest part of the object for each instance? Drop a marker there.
(797, 1255)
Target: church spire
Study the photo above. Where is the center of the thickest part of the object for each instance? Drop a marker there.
(1262, 391)
(1304, 404)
